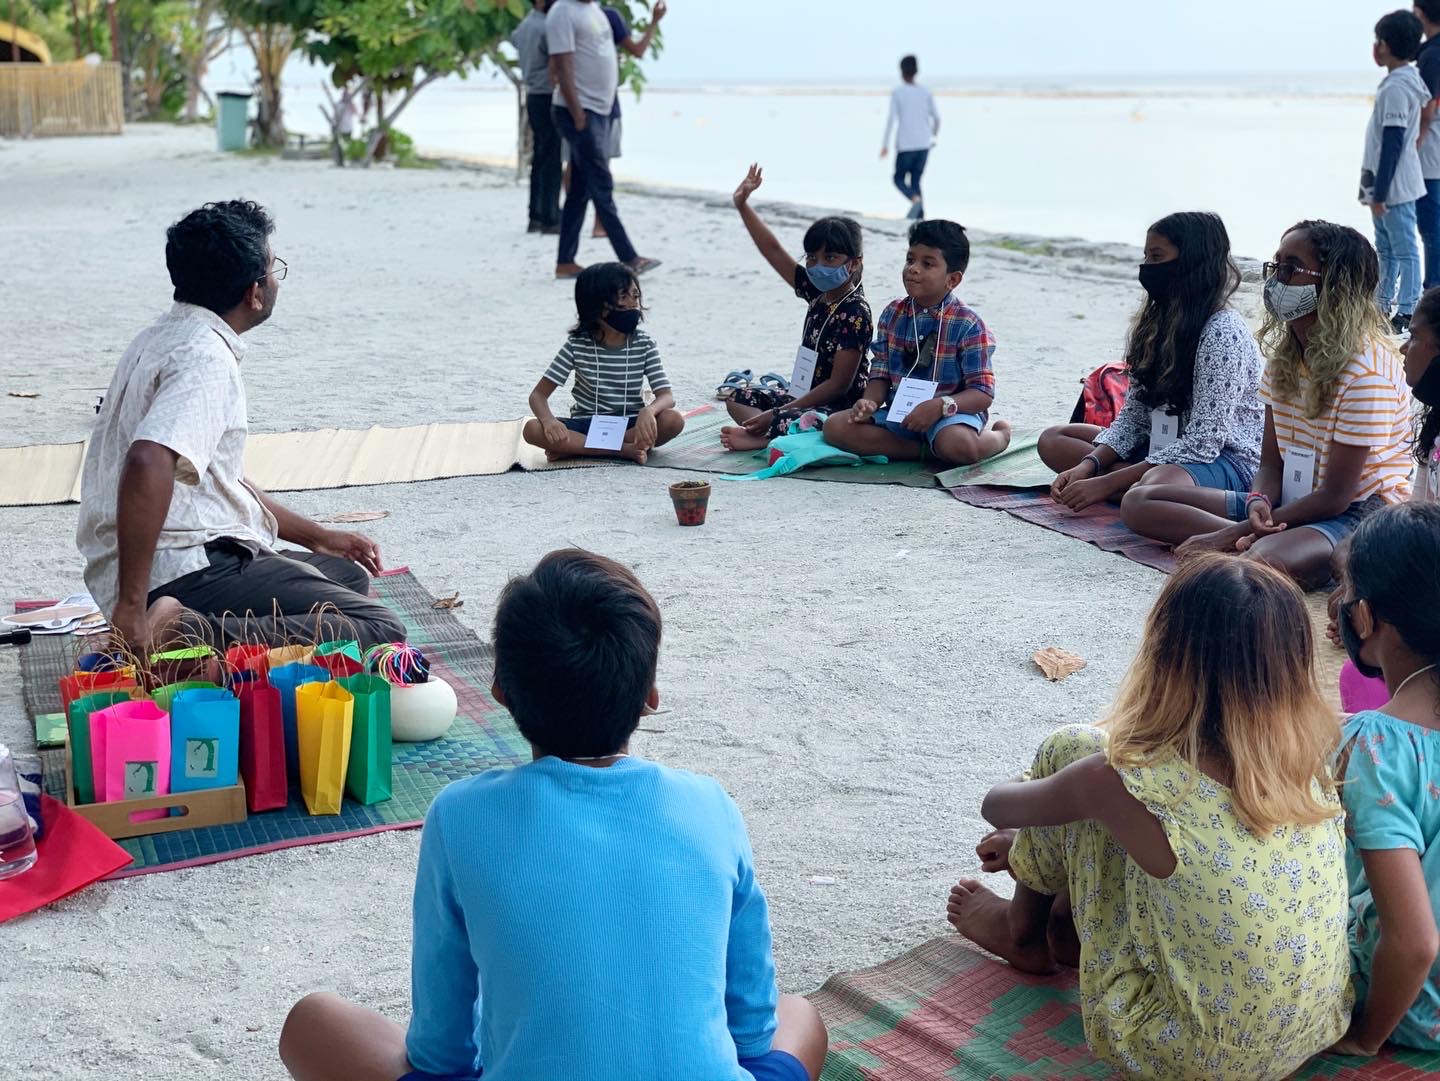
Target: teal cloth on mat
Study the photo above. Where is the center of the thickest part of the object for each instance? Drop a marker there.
(798, 450)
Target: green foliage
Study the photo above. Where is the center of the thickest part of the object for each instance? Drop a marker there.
(49, 20)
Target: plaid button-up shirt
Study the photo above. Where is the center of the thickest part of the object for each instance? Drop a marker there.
(957, 357)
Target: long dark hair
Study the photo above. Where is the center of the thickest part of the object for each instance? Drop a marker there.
(1166, 333)
(598, 287)
(1427, 420)
(1392, 565)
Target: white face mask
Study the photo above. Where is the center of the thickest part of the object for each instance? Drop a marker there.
(1290, 302)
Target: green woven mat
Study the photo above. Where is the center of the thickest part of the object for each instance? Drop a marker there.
(1019, 466)
(943, 1011)
(482, 738)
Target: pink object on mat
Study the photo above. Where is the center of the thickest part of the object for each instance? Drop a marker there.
(1359, 692)
(130, 751)
(73, 854)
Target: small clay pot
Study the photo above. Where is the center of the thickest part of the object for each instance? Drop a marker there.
(690, 497)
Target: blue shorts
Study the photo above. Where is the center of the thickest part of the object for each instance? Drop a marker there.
(970, 420)
(1224, 474)
(772, 1066)
(1336, 529)
(582, 426)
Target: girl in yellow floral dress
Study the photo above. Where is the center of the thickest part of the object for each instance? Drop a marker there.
(1198, 838)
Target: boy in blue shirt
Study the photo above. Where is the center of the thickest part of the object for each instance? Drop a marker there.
(588, 914)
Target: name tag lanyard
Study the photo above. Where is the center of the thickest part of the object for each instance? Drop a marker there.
(915, 337)
(802, 376)
(607, 432)
(821, 333)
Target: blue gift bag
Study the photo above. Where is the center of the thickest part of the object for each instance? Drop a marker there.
(285, 679)
(204, 740)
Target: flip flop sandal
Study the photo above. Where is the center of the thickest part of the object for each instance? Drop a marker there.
(775, 383)
(736, 380)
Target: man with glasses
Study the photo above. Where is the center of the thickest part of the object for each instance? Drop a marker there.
(169, 527)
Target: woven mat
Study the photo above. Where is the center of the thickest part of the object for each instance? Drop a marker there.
(943, 1011)
(482, 737)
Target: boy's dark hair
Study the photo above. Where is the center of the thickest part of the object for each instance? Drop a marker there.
(838, 236)
(599, 285)
(909, 66)
(948, 237)
(1392, 565)
(216, 253)
(576, 645)
(1430, 9)
(1401, 32)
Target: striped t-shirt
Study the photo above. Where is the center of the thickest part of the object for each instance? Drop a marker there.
(1371, 408)
(608, 381)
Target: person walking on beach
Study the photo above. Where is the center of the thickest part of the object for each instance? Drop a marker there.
(167, 519)
(529, 41)
(586, 73)
(624, 39)
(915, 122)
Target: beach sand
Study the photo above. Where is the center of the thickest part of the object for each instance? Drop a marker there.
(851, 662)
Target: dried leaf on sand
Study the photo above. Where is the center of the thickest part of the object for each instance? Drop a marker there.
(452, 601)
(1058, 663)
(24, 394)
(350, 516)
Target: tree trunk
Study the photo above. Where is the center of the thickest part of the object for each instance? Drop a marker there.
(272, 46)
(380, 137)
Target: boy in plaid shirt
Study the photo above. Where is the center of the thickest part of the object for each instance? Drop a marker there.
(931, 384)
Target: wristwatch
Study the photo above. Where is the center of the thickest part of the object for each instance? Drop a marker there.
(948, 406)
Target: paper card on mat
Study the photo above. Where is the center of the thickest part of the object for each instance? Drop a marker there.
(1299, 480)
(909, 394)
(1164, 429)
(802, 376)
(606, 433)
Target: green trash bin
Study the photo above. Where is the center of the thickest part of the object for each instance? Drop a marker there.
(232, 119)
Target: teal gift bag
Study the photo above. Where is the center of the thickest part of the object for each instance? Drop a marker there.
(368, 780)
(204, 739)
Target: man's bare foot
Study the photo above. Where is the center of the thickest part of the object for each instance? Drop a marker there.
(984, 918)
(733, 437)
(568, 270)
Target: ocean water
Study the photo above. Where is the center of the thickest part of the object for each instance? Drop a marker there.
(1096, 161)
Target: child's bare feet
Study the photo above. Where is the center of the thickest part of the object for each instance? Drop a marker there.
(734, 437)
(984, 918)
(639, 457)
(994, 439)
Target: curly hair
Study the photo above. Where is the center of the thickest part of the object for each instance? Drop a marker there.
(214, 254)
(1165, 333)
(1348, 319)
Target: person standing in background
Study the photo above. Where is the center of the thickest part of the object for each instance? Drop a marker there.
(585, 71)
(529, 41)
(1391, 181)
(620, 30)
(1427, 210)
(916, 122)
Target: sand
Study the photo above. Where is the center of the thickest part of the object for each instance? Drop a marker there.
(851, 662)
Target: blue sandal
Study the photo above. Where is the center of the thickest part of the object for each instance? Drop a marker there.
(775, 383)
(736, 380)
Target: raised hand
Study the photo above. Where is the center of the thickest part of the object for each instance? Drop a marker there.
(753, 179)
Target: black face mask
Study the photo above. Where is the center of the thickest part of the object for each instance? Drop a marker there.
(623, 320)
(1353, 642)
(1159, 279)
(1427, 391)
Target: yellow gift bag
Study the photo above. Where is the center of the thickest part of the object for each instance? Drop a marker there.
(324, 713)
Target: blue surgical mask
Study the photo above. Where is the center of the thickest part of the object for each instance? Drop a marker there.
(826, 278)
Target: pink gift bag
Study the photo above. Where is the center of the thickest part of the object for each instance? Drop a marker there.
(130, 752)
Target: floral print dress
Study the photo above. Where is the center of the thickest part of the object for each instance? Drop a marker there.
(829, 329)
(1392, 800)
(1233, 967)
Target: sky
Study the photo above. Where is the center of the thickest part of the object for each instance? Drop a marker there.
(842, 40)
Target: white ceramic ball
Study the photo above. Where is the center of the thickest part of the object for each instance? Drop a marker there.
(422, 711)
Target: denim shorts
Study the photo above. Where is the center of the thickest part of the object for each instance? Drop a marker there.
(1336, 529)
(772, 1066)
(971, 420)
(582, 426)
(1224, 474)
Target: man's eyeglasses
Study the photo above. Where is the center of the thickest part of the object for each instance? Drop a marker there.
(1285, 272)
(278, 267)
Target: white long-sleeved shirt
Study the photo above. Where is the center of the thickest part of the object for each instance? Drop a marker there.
(912, 109)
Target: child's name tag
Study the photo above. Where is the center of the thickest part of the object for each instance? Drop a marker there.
(1164, 429)
(909, 394)
(606, 433)
(1299, 479)
(803, 374)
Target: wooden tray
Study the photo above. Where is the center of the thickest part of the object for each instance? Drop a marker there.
(206, 807)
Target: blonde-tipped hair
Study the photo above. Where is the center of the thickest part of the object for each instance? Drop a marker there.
(1348, 321)
(1225, 667)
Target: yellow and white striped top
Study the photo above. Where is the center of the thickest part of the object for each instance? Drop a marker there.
(1371, 408)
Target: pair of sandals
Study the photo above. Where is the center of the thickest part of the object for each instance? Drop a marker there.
(744, 379)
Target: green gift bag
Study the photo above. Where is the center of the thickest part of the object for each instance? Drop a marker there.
(78, 721)
(369, 778)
